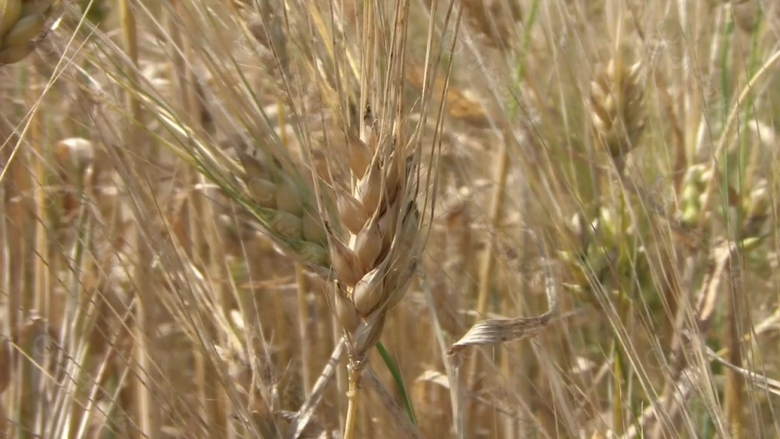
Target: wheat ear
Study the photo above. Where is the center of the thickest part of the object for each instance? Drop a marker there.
(374, 267)
(616, 108)
(363, 233)
(21, 23)
(372, 263)
(286, 207)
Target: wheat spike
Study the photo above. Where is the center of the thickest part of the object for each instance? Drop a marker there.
(287, 209)
(615, 103)
(372, 266)
(373, 271)
(21, 22)
(360, 231)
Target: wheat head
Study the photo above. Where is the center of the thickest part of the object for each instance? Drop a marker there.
(616, 107)
(374, 264)
(21, 22)
(285, 205)
(373, 260)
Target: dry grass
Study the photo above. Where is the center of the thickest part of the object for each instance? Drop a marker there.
(389, 219)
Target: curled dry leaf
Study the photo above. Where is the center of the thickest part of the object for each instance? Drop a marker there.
(495, 331)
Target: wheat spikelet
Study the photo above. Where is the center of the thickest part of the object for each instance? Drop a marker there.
(21, 22)
(615, 103)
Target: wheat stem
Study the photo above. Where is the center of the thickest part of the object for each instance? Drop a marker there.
(142, 395)
(354, 398)
(303, 327)
(486, 267)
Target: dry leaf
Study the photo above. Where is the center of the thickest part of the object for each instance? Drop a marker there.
(493, 331)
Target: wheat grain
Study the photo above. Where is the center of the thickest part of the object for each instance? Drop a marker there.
(21, 22)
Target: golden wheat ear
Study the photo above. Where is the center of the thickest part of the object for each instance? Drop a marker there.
(374, 265)
(616, 108)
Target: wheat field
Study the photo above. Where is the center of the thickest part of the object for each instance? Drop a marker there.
(389, 219)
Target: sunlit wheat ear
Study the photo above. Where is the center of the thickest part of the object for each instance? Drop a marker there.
(616, 108)
(21, 23)
(374, 264)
